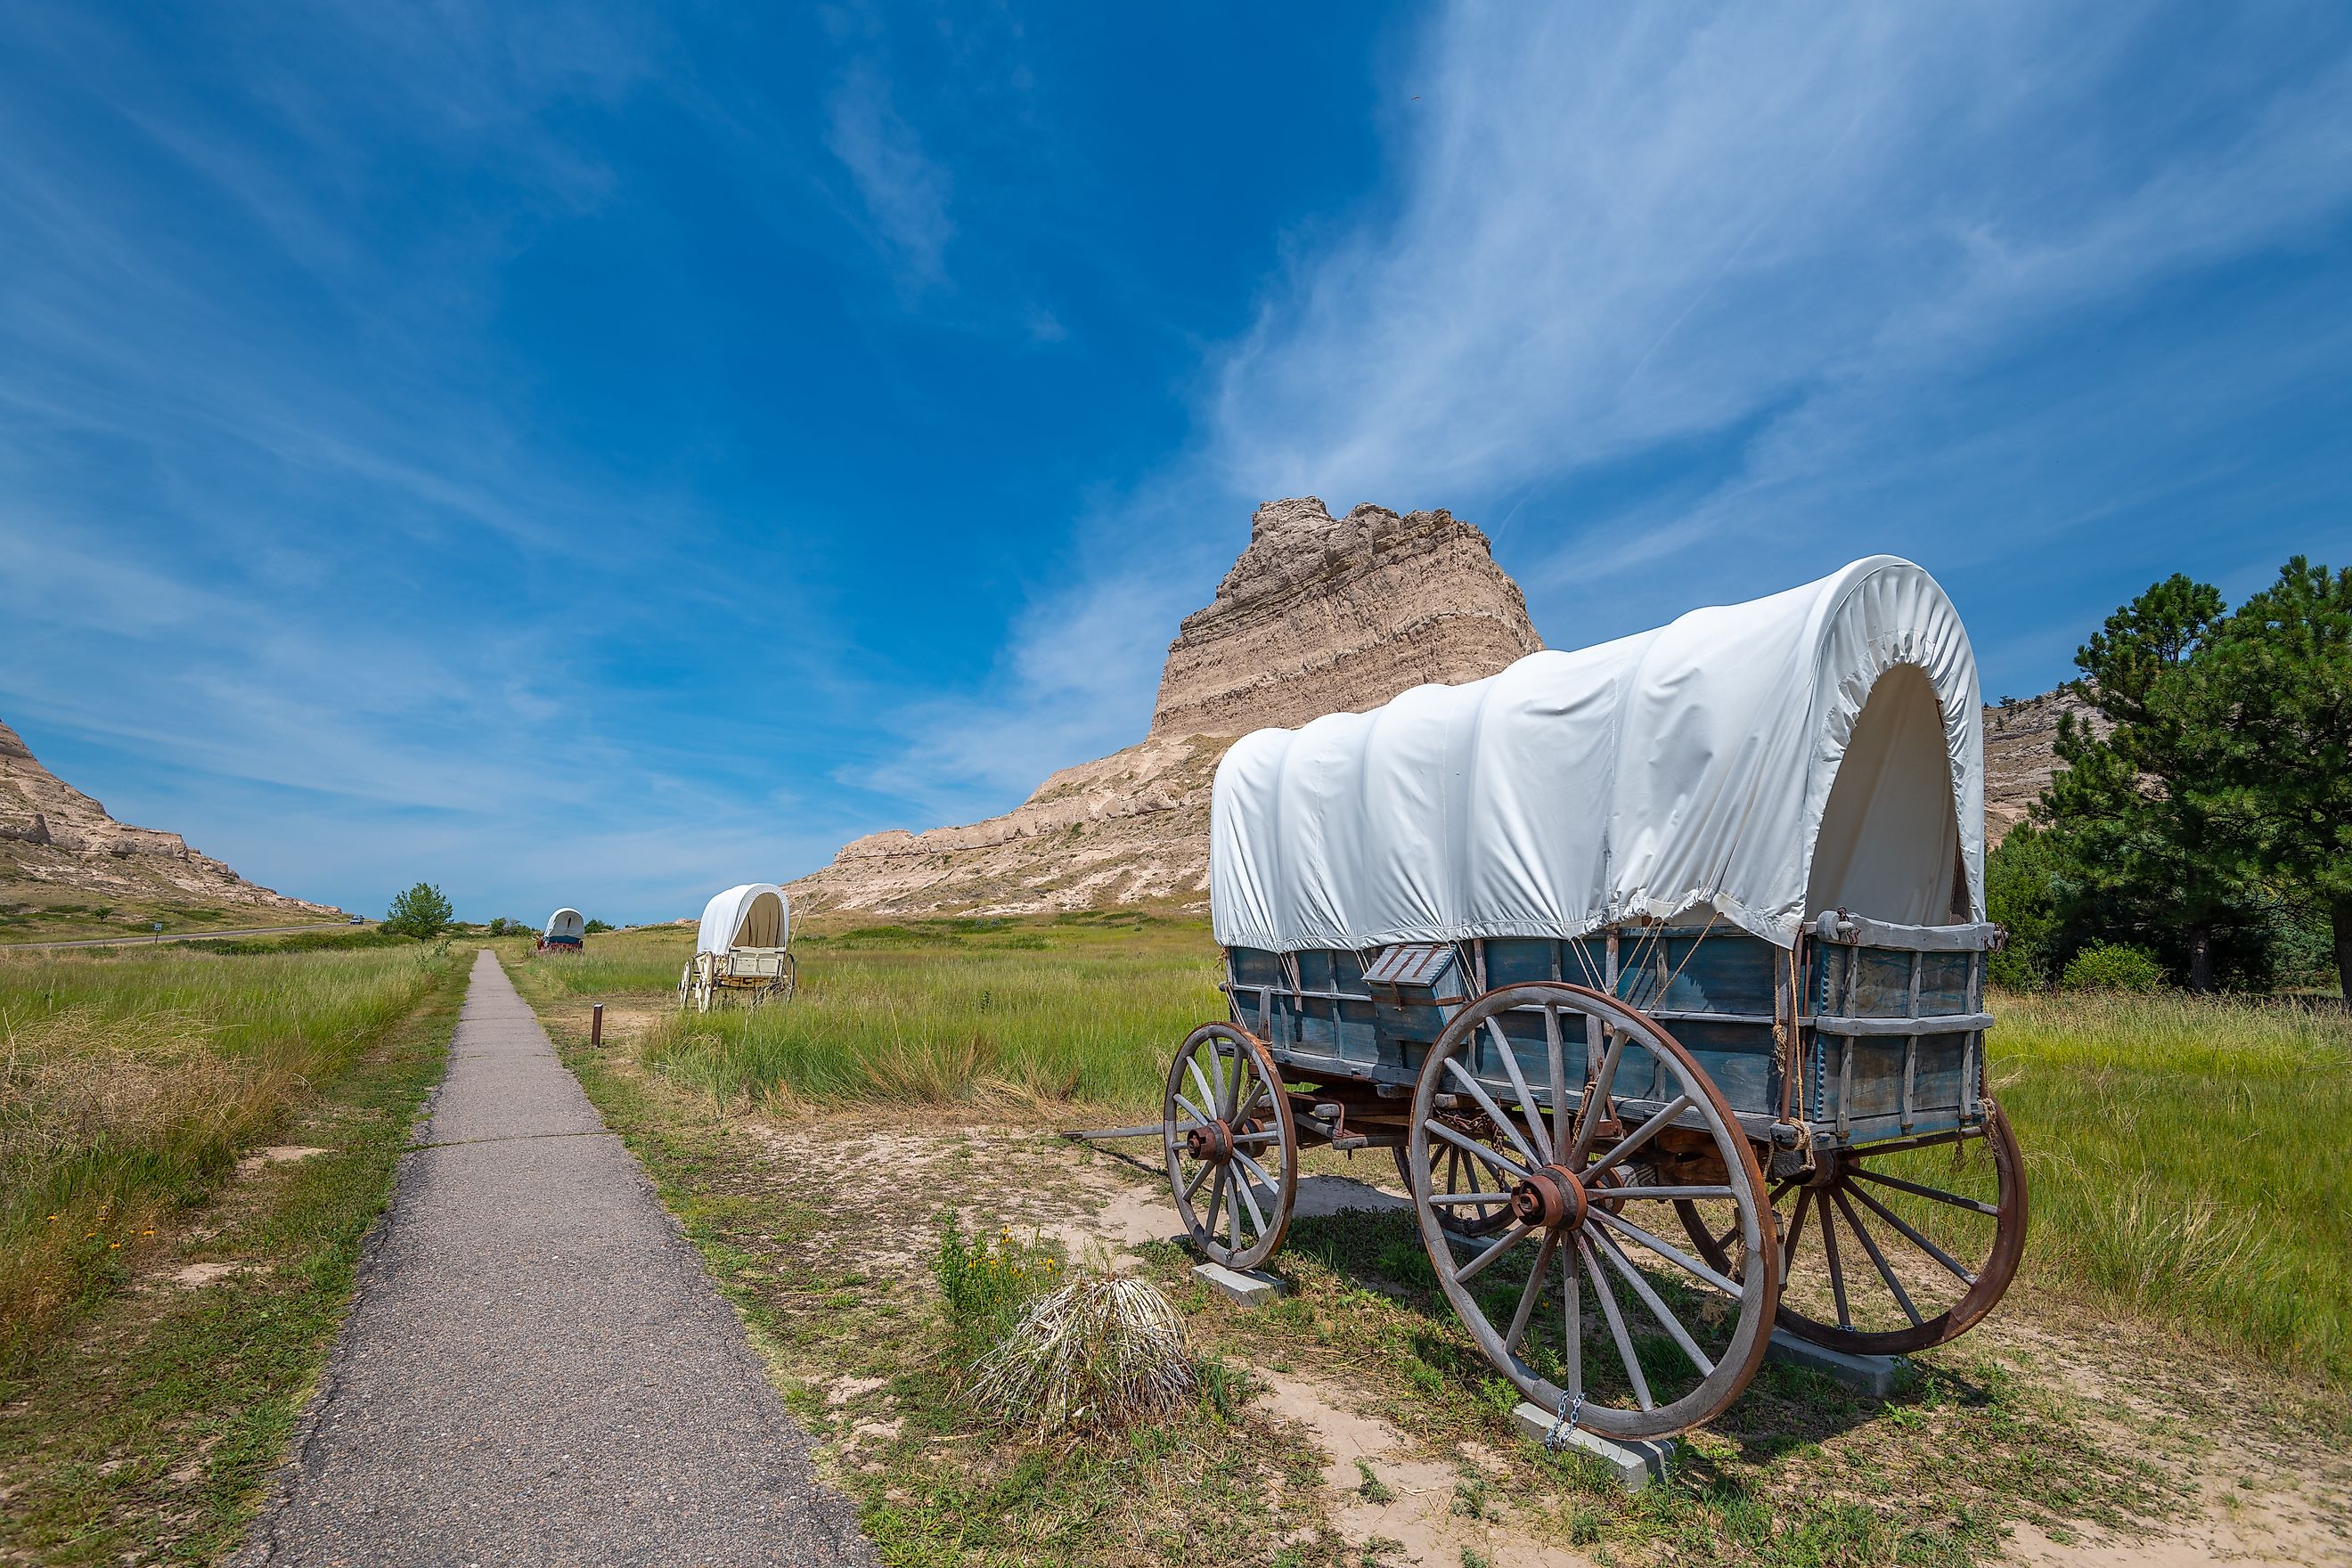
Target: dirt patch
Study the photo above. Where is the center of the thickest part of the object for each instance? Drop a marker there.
(276, 1154)
(1382, 1491)
(195, 1276)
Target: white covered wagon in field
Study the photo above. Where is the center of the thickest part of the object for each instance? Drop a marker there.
(743, 947)
(567, 931)
(1660, 966)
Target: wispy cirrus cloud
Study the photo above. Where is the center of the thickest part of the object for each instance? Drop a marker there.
(905, 191)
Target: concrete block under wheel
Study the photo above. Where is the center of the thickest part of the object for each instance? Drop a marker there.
(1636, 1462)
(1246, 1289)
(1872, 1376)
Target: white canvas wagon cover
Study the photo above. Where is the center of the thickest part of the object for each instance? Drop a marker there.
(1821, 748)
(565, 922)
(754, 914)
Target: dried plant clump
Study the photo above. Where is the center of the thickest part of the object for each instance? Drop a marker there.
(1099, 1353)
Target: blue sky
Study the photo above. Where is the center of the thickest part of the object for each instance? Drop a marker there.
(595, 455)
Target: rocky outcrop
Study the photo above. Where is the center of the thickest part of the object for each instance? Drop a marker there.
(2019, 758)
(1320, 615)
(1129, 828)
(1325, 615)
(53, 835)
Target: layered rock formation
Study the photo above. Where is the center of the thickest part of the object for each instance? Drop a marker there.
(2019, 755)
(1320, 615)
(54, 837)
(1332, 616)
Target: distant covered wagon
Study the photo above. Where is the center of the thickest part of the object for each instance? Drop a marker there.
(1660, 966)
(567, 931)
(742, 949)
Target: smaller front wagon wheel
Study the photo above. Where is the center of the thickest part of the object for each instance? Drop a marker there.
(1233, 1150)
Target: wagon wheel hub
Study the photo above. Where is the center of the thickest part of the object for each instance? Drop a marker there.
(1551, 1197)
(1212, 1141)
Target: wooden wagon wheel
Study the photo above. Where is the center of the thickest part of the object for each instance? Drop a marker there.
(1231, 1145)
(1454, 1171)
(685, 985)
(705, 983)
(1919, 1262)
(789, 981)
(1641, 1339)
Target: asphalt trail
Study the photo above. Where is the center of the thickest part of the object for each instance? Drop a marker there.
(537, 1370)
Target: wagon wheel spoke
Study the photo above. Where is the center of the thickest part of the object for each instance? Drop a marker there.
(1837, 1275)
(1477, 1265)
(1641, 1134)
(1877, 1258)
(1935, 1194)
(1476, 1149)
(1494, 1112)
(1966, 1275)
(1203, 1174)
(1616, 1256)
(1668, 1251)
(1556, 1061)
(1201, 1084)
(1796, 1229)
(1539, 1135)
(1532, 1292)
(1249, 1201)
(1596, 1096)
(1200, 1117)
(1617, 1327)
(1487, 1200)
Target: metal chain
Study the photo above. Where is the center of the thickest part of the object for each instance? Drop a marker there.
(1556, 1438)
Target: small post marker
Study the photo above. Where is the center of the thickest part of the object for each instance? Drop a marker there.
(1872, 1376)
(596, 1026)
(1251, 1290)
(1636, 1462)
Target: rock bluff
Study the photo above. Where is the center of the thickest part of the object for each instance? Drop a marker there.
(52, 833)
(1325, 615)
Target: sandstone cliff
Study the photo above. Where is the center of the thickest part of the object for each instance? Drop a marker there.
(2018, 761)
(1330, 615)
(1320, 615)
(55, 840)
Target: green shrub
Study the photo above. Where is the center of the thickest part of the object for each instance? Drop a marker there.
(985, 1284)
(2113, 966)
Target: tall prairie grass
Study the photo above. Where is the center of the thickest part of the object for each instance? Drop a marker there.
(131, 1080)
(2187, 1163)
(942, 1013)
(2185, 1156)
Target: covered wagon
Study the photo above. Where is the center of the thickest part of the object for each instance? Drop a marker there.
(742, 949)
(1659, 965)
(567, 931)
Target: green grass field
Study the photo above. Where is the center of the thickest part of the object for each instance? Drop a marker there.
(132, 1079)
(2183, 1154)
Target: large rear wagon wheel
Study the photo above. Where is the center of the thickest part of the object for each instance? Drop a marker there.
(1578, 1297)
(1898, 1247)
(1233, 1149)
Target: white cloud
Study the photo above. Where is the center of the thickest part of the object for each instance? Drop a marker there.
(1625, 226)
(905, 191)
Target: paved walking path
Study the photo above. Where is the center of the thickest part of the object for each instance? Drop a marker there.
(537, 1370)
